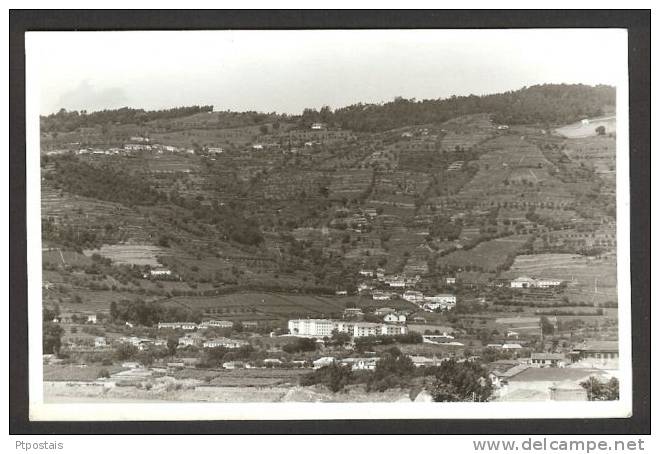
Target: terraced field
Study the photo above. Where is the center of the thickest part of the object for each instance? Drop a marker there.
(487, 255)
(129, 254)
(588, 129)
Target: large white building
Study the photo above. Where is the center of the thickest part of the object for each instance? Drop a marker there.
(312, 327)
(528, 282)
(325, 327)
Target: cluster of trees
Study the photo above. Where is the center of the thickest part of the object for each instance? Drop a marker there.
(445, 229)
(102, 182)
(459, 382)
(150, 313)
(597, 390)
(65, 120)
(452, 381)
(545, 104)
(302, 344)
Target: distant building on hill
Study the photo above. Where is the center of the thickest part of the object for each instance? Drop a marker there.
(528, 282)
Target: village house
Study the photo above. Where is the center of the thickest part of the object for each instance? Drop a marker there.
(100, 342)
(351, 312)
(395, 318)
(193, 339)
(224, 342)
(439, 302)
(413, 296)
(423, 361)
(362, 287)
(216, 324)
(317, 126)
(360, 363)
(597, 354)
(384, 311)
(527, 282)
(549, 383)
(381, 296)
(186, 326)
(395, 281)
(160, 272)
(548, 360)
(324, 361)
(215, 150)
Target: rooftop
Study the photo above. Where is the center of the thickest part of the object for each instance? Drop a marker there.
(554, 374)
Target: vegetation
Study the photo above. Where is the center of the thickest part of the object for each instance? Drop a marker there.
(597, 390)
(460, 382)
(553, 104)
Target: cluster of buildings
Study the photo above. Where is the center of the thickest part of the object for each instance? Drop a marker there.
(191, 326)
(528, 282)
(403, 287)
(443, 301)
(320, 328)
(197, 340)
(554, 376)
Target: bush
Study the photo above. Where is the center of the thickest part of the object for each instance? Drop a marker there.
(335, 377)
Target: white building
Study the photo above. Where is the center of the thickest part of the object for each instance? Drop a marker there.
(528, 282)
(311, 327)
(324, 361)
(395, 281)
(547, 283)
(100, 342)
(443, 301)
(381, 296)
(395, 318)
(216, 324)
(190, 340)
(158, 272)
(317, 126)
(187, 326)
(413, 296)
(224, 342)
(324, 327)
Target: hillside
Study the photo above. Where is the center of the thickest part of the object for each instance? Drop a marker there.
(249, 202)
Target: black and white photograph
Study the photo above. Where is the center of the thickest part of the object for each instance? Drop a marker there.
(301, 224)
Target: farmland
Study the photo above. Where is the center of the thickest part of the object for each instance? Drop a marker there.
(424, 211)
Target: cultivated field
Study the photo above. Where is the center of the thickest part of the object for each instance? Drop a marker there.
(129, 254)
(579, 129)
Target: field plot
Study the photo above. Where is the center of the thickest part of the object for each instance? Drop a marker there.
(589, 279)
(271, 305)
(487, 256)
(129, 254)
(466, 131)
(588, 128)
(350, 184)
(58, 257)
(74, 372)
(257, 377)
(513, 171)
